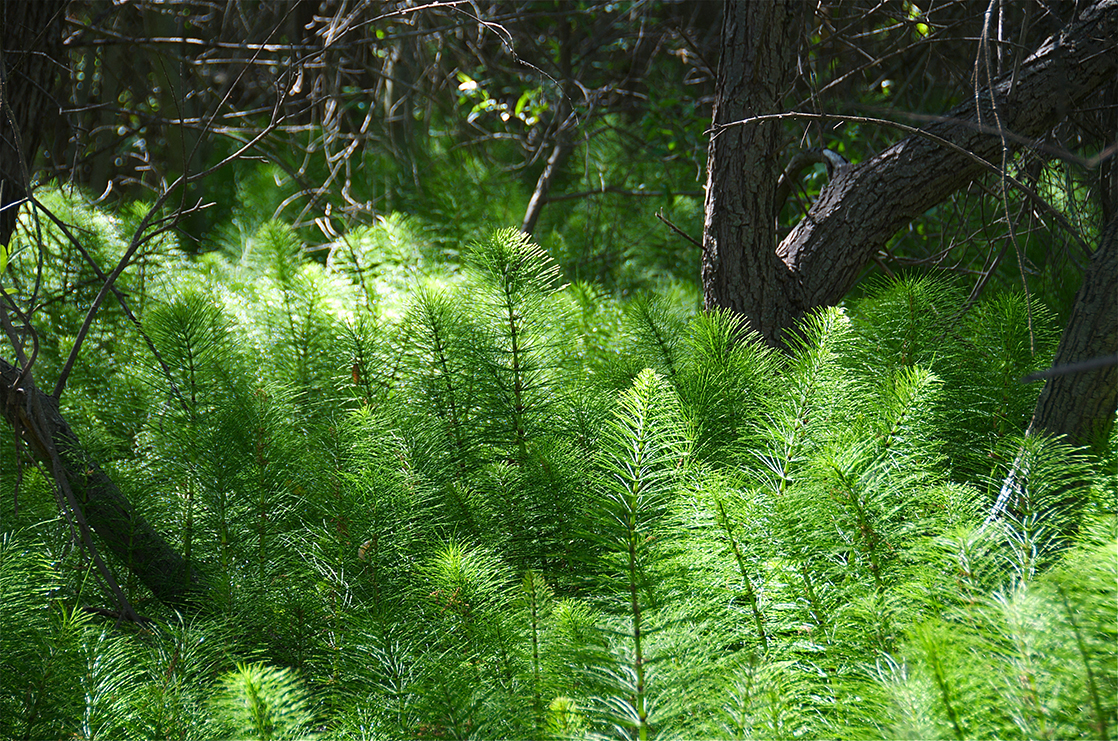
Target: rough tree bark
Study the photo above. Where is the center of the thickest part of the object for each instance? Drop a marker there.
(30, 42)
(774, 285)
(563, 146)
(1079, 405)
(741, 270)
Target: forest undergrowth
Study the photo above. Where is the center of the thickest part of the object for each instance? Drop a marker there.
(466, 498)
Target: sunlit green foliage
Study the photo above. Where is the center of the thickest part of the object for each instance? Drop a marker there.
(473, 500)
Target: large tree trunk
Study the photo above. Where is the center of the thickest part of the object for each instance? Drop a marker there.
(865, 204)
(30, 44)
(741, 270)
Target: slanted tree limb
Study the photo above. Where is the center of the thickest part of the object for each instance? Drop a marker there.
(773, 285)
(551, 170)
(861, 211)
(37, 419)
(799, 163)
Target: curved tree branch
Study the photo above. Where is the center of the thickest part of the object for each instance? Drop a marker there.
(865, 204)
(91, 496)
(868, 203)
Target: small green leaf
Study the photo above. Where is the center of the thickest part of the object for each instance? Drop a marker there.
(522, 102)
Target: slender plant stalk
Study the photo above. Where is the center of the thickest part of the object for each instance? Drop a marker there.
(869, 536)
(944, 690)
(262, 502)
(1092, 686)
(188, 530)
(223, 538)
(813, 602)
(517, 375)
(635, 606)
(750, 594)
(531, 589)
(663, 346)
(456, 433)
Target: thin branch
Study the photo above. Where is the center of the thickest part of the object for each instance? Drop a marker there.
(1080, 367)
(119, 297)
(623, 192)
(677, 230)
(140, 236)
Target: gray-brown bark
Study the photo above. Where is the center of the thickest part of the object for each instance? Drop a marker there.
(562, 138)
(865, 204)
(551, 170)
(740, 267)
(1080, 405)
(30, 45)
(105, 509)
(30, 59)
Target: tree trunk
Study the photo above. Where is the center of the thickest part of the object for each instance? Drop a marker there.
(1079, 405)
(564, 145)
(740, 269)
(865, 204)
(30, 44)
(104, 508)
(551, 170)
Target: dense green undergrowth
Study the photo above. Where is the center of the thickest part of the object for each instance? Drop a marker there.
(465, 499)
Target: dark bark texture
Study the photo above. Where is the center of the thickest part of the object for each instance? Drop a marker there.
(740, 269)
(773, 286)
(31, 58)
(105, 509)
(30, 47)
(1080, 405)
(866, 203)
